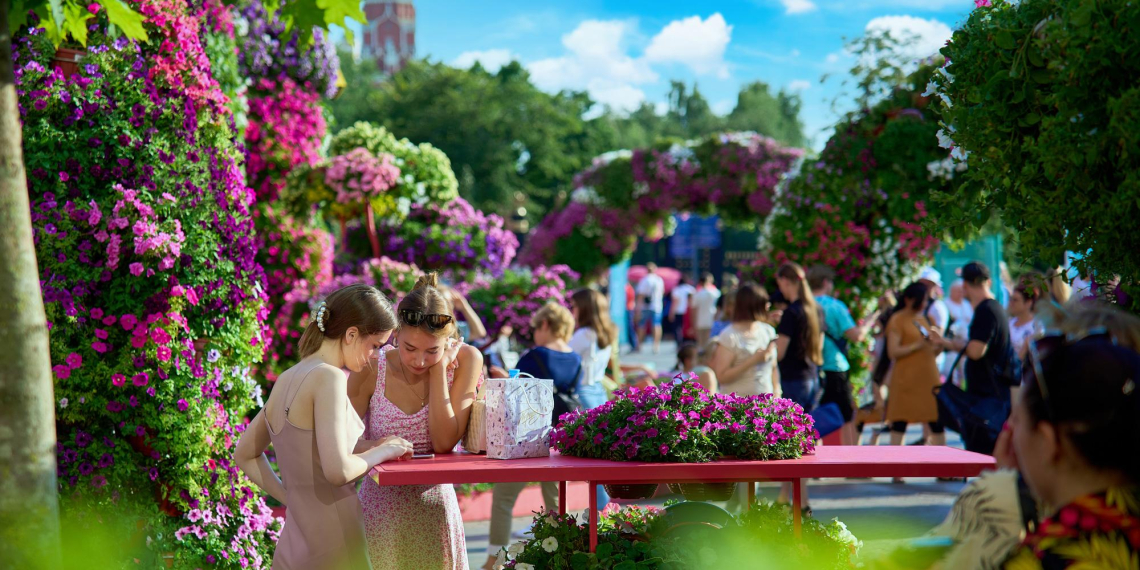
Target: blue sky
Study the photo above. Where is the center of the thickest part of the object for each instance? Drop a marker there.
(628, 51)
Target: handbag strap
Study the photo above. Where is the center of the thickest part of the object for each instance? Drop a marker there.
(545, 371)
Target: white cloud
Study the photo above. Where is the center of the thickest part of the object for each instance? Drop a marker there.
(724, 106)
(923, 37)
(491, 59)
(698, 44)
(797, 6)
(799, 85)
(597, 61)
(834, 56)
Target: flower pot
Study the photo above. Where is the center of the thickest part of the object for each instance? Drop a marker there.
(704, 491)
(67, 60)
(168, 559)
(141, 443)
(631, 491)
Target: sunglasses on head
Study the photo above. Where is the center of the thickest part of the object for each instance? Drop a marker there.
(433, 321)
(1049, 343)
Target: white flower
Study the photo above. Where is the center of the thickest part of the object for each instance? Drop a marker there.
(931, 89)
(585, 195)
(552, 520)
(958, 154)
(516, 548)
(523, 566)
(550, 544)
(63, 402)
(944, 139)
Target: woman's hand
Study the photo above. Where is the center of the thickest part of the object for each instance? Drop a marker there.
(394, 448)
(450, 359)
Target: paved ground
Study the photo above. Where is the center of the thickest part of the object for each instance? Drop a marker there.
(873, 509)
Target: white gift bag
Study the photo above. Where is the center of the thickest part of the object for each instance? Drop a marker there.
(518, 417)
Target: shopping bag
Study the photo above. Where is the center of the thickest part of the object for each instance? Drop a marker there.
(518, 417)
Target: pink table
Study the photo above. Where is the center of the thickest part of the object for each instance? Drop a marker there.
(833, 461)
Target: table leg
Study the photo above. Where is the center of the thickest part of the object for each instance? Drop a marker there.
(751, 495)
(797, 506)
(562, 497)
(592, 508)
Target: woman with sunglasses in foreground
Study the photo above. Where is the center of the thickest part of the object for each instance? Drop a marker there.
(422, 391)
(1066, 494)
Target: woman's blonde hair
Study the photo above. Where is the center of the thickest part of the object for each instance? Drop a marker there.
(426, 298)
(559, 321)
(359, 305)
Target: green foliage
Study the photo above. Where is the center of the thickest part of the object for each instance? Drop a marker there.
(1042, 95)
(66, 21)
(637, 538)
(689, 116)
(502, 134)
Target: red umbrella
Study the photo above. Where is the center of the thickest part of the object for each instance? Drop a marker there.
(670, 276)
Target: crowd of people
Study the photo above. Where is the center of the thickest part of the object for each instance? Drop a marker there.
(412, 380)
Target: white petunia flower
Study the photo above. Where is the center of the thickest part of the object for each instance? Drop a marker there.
(524, 566)
(550, 544)
(516, 548)
(944, 139)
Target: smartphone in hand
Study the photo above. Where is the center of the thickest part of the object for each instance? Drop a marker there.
(922, 330)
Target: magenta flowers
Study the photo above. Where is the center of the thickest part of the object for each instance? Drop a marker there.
(683, 422)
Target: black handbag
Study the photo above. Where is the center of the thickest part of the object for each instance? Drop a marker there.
(978, 419)
(563, 403)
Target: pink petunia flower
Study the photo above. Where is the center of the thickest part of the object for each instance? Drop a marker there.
(74, 360)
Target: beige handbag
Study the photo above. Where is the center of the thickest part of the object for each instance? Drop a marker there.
(475, 440)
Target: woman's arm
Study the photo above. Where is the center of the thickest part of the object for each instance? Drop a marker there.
(895, 347)
(477, 330)
(250, 458)
(448, 411)
(334, 445)
(708, 380)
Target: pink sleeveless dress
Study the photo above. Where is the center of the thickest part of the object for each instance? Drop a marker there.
(323, 528)
(409, 526)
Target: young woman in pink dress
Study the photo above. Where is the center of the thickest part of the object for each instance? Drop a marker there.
(315, 433)
(422, 392)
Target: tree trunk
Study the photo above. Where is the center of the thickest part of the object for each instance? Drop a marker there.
(371, 225)
(29, 517)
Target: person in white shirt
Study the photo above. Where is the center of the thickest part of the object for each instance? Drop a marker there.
(679, 309)
(961, 313)
(704, 309)
(937, 311)
(651, 291)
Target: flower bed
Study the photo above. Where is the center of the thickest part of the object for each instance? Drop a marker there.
(625, 195)
(683, 423)
(647, 538)
(516, 295)
(452, 237)
(155, 301)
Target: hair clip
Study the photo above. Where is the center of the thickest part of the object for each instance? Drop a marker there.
(321, 310)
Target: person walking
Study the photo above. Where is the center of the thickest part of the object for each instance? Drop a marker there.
(704, 309)
(799, 347)
(651, 290)
(839, 329)
(912, 343)
(632, 316)
(987, 346)
(961, 313)
(316, 435)
(679, 308)
(593, 340)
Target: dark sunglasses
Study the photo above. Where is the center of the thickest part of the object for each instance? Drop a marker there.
(1049, 343)
(433, 321)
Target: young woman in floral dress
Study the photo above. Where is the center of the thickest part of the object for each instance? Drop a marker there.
(422, 392)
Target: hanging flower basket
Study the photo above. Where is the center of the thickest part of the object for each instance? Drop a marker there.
(632, 491)
(67, 60)
(704, 491)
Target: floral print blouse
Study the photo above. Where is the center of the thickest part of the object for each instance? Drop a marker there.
(1095, 531)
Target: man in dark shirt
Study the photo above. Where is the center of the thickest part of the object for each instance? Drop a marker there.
(988, 340)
